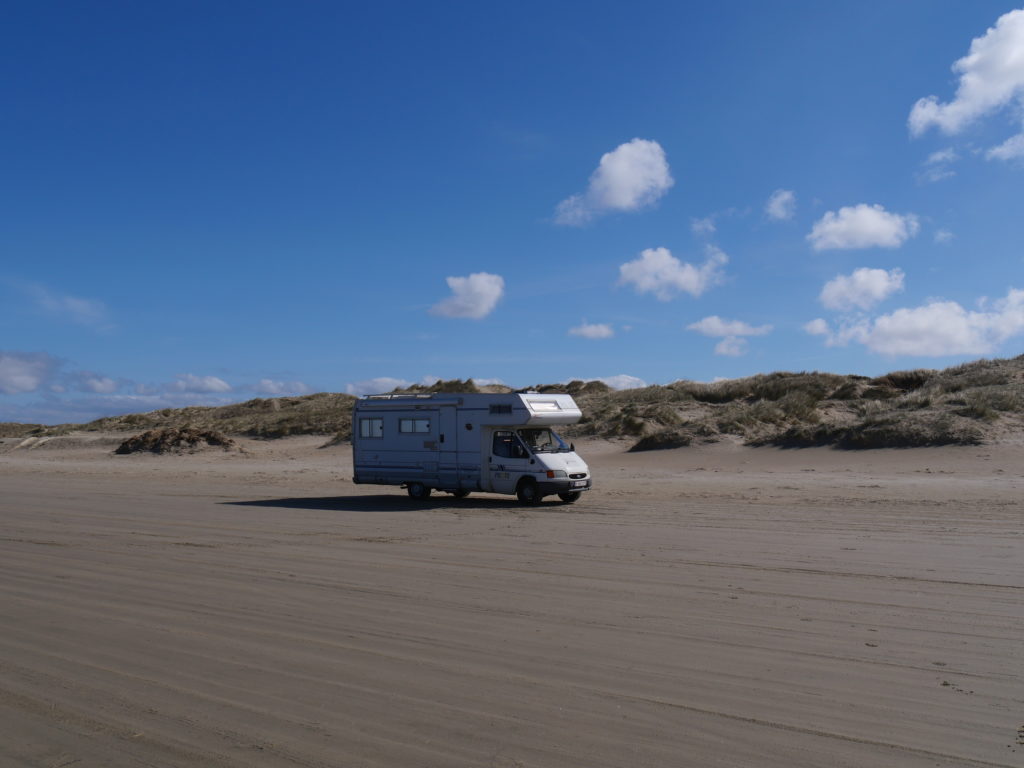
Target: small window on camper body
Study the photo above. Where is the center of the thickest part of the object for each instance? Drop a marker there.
(501, 408)
(371, 427)
(416, 426)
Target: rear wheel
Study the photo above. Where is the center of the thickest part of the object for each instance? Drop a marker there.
(570, 497)
(417, 490)
(527, 493)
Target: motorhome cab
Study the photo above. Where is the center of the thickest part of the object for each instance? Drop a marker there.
(457, 443)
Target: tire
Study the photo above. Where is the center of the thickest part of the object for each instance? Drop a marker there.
(527, 493)
(570, 497)
(417, 490)
(460, 494)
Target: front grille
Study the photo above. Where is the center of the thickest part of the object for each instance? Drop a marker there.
(578, 475)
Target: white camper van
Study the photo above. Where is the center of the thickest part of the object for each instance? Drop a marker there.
(457, 443)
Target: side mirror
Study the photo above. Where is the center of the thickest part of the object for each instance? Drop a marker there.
(572, 447)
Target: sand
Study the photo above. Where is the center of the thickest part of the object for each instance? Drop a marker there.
(714, 606)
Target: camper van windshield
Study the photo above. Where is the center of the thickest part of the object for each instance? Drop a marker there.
(542, 440)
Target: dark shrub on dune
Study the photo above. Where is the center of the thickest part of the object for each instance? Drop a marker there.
(173, 440)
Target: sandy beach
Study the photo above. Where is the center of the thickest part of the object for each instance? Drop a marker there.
(713, 606)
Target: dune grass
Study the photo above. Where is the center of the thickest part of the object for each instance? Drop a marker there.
(977, 402)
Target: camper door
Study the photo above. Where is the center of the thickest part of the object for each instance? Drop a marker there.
(448, 448)
(509, 460)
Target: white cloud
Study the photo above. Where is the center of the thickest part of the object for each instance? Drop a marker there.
(946, 328)
(705, 226)
(631, 176)
(1011, 149)
(24, 372)
(73, 308)
(100, 385)
(947, 155)
(781, 205)
(53, 410)
(592, 331)
(936, 329)
(623, 381)
(943, 236)
(991, 76)
(657, 271)
(862, 289)
(817, 327)
(187, 382)
(936, 167)
(272, 387)
(936, 173)
(574, 211)
(731, 346)
(715, 326)
(862, 226)
(731, 332)
(848, 329)
(380, 385)
(474, 296)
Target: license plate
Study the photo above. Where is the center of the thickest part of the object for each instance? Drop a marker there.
(579, 483)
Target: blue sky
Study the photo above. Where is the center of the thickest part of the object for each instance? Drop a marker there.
(207, 202)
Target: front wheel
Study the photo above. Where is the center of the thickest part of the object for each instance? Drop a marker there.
(527, 493)
(418, 490)
(570, 497)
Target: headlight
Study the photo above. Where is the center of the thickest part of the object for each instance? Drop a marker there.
(556, 473)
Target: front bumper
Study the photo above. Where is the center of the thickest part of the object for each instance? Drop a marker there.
(548, 487)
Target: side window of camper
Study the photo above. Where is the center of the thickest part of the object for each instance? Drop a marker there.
(371, 427)
(414, 426)
(507, 446)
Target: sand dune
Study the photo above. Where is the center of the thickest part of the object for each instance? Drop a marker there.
(721, 606)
